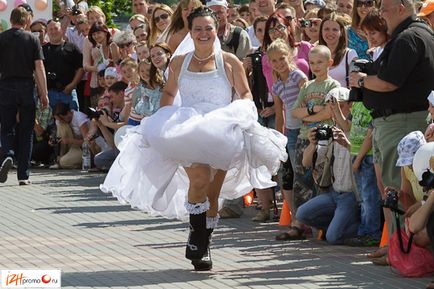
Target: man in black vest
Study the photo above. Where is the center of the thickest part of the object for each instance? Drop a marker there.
(20, 57)
(63, 63)
(397, 92)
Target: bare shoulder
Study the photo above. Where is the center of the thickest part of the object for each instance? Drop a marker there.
(176, 63)
(231, 59)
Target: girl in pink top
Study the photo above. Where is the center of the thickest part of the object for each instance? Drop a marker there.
(279, 27)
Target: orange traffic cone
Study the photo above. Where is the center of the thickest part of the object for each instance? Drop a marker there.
(285, 215)
(248, 199)
(384, 237)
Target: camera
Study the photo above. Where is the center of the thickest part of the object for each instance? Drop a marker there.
(324, 132)
(359, 65)
(51, 76)
(304, 23)
(391, 202)
(92, 113)
(256, 59)
(427, 180)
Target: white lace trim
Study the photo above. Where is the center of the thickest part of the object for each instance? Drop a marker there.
(197, 208)
(211, 222)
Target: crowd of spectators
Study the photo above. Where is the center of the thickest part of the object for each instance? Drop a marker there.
(343, 127)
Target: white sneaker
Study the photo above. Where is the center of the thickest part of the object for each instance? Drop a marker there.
(54, 167)
(24, 182)
(6, 166)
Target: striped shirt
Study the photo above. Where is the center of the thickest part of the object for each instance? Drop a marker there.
(288, 92)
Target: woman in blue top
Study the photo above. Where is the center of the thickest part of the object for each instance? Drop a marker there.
(356, 37)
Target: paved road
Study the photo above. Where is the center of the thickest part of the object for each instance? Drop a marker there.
(64, 222)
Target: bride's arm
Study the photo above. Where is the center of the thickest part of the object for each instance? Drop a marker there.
(237, 76)
(171, 87)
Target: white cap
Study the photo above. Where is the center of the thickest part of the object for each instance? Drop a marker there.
(341, 94)
(111, 72)
(223, 3)
(431, 97)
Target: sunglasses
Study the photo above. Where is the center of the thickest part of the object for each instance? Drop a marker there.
(289, 18)
(368, 3)
(124, 45)
(161, 17)
(278, 28)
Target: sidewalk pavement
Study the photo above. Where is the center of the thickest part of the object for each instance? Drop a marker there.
(62, 221)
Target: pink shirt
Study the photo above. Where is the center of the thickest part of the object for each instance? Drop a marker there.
(301, 60)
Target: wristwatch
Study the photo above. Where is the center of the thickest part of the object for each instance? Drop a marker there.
(361, 82)
(310, 106)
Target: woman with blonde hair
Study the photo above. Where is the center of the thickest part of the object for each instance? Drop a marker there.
(178, 28)
(94, 15)
(356, 36)
(161, 19)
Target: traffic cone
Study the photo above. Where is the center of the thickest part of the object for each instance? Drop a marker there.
(285, 215)
(384, 237)
(248, 199)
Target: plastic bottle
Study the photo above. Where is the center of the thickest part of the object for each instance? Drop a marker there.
(85, 156)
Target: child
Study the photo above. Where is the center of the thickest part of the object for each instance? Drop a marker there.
(130, 76)
(310, 108)
(110, 76)
(285, 89)
(146, 96)
(142, 50)
(160, 56)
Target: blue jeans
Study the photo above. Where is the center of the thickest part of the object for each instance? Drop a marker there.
(269, 122)
(58, 96)
(291, 135)
(334, 212)
(370, 218)
(18, 96)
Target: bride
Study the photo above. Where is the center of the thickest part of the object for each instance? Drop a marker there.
(181, 160)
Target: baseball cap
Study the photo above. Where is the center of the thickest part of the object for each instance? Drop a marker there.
(223, 3)
(427, 8)
(111, 72)
(319, 3)
(408, 147)
(431, 97)
(27, 7)
(341, 94)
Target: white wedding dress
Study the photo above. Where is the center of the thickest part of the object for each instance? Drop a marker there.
(207, 129)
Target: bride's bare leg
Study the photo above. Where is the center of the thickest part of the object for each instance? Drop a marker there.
(199, 176)
(214, 192)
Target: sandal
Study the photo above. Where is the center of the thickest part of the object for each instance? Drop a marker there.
(294, 233)
(380, 252)
(381, 261)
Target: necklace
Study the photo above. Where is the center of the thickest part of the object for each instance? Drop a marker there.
(200, 60)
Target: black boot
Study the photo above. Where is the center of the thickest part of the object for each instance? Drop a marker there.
(205, 263)
(197, 240)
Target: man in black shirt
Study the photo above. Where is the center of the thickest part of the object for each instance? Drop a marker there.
(20, 56)
(398, 93)
(63, 64)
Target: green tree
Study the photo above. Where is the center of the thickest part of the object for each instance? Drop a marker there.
(113, 8)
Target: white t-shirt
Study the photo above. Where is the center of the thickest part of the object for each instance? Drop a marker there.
(78, 119)
(339, 72)
(376, 52)
(253, 40)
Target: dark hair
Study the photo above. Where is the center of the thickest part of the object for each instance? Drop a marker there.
(201, 12)
(373, 21)
(61, 108)
(326, 10)
(19, 16)
(275, 19)
(243, 8)
(118, 86)
(96, 27)
(101, 73)
(430, 229)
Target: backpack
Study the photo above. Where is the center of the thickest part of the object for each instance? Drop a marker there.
(235, 41)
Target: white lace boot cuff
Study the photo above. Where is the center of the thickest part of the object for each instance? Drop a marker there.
(197, 208)
(211, 222)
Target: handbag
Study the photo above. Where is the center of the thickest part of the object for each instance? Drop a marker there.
(412, 261)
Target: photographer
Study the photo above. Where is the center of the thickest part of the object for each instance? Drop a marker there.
(72, 129)
(336, 210)
(63, 67)
(397, 87)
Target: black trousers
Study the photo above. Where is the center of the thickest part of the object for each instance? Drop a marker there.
(18, 96)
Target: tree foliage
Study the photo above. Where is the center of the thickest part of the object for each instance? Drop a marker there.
(113, 8)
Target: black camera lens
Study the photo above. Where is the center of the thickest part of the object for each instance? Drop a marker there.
(324, 132)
